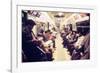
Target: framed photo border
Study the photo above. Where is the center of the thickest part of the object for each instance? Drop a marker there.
(15, 61)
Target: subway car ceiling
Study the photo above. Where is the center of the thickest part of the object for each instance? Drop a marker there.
(63, 18)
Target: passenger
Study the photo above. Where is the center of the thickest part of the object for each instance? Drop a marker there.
(82, 45)
(71, 39)
(30, 44)
(78, 45)
(86, 44)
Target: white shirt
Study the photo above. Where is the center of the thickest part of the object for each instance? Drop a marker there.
(79, 42)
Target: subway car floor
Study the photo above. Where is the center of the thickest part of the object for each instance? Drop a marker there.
(60, 54)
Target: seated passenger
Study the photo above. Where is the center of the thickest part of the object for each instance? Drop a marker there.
(86, 44)
(30, 44)
(82, 45)
(71, 39)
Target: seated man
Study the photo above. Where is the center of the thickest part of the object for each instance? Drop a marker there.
(86, 43)
(82, 45)
(31, 47)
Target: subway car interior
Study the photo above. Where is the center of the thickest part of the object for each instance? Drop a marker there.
(55, 36)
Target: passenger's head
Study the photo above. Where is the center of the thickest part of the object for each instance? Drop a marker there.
(30, 23)
(48, 32)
